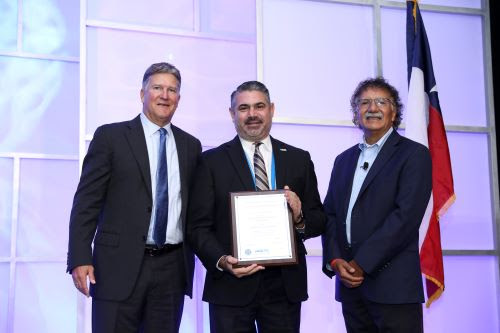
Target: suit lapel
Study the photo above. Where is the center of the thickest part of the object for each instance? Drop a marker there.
(382, 158)
(182, 155)
(351, 164)
(280, 162)
(240, 164)
(137, 142)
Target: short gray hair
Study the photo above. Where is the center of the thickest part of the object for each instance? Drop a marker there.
(161, 67)
(250, 86)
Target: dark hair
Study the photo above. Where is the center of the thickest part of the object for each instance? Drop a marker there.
(161, 67)
(250, 86)
(377, 83)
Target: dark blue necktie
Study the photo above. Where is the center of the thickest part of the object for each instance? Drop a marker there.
(161, 208)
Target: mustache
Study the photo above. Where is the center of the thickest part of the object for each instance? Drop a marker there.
(377, 114)
(252, 119)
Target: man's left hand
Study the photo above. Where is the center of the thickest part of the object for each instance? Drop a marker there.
(358, 270)
(294, 203)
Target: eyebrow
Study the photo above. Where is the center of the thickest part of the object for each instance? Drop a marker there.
(248, 104)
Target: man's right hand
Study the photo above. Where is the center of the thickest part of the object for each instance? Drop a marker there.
(228, 262)
(80, 274)
(347, 273)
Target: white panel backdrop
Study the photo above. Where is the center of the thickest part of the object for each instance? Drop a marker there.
(60, 80)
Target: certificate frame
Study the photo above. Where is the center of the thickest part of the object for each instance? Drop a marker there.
(283, 230)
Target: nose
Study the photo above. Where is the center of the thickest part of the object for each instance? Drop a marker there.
(372, 106)
(252, 111)
(164, 93)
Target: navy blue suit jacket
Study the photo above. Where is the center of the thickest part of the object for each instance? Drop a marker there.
(385, 221)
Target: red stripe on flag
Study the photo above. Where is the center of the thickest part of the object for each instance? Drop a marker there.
(442, 178)
(431, 256)
(431, 260)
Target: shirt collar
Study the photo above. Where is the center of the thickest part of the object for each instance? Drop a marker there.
(363, 145)
(151, 128)
(266, 144)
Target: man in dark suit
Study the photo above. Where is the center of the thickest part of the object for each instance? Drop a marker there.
(269, 296)
(131, 202)
(376, 200)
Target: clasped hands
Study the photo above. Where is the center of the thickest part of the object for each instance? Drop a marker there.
(350, 273)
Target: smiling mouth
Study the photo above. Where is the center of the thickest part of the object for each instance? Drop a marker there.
(253, 123)
(376, 116)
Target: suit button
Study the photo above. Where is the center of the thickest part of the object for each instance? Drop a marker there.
(149, 209)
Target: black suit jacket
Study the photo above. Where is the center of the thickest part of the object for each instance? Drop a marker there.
(385, 220)
(223, 170)
(113, 203)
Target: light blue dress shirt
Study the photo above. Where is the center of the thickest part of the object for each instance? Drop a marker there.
(368, 155)
(174, 226)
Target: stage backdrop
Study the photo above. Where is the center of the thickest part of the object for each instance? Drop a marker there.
(69, 66)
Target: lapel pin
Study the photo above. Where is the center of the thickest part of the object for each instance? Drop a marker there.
(283, 149)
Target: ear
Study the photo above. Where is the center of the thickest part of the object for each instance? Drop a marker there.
(393, 115)
(142, 95)
(232, 113)
(272, 109)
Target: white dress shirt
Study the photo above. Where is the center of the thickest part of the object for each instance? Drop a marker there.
(266, 149)
(174, 225)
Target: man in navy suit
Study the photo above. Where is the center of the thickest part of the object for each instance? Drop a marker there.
(131, 204)
(241, 297)
(377, 197)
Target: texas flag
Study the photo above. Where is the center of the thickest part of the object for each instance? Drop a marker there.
(424, 124)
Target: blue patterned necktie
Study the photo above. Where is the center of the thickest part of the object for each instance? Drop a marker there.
(261, 182)
(161, 209)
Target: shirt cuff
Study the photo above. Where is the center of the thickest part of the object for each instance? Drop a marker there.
(219, 261)
(300, 225)
(331, 264)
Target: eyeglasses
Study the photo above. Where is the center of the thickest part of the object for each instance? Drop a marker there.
(381, 102)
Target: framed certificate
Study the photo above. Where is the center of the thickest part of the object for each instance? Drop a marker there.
(262, 229)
